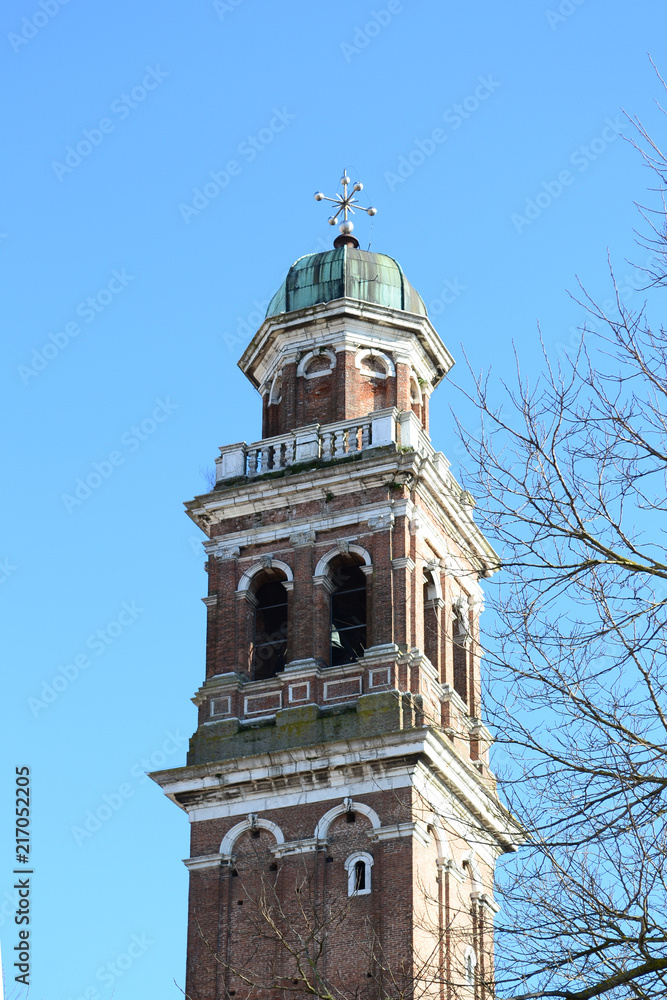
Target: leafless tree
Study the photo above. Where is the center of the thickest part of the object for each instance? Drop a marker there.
(294, 927)
(570, 473)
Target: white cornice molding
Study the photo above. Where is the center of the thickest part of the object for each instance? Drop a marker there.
(345, 324)
(403, 562)
(206, 861)
(307, 846)
(436, 487)
(443, 778)
(417, 829)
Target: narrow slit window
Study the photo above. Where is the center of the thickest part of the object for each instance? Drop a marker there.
(359, 876)
(460, 656)
(359, 867)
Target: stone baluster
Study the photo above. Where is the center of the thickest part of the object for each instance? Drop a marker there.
(340, 449)
(327, 445)
(252, 462)
(365, 435)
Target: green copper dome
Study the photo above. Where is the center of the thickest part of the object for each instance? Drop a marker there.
(345, 273)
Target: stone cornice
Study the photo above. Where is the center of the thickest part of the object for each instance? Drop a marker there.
(200, 788)
(344, 324)
(432, 480)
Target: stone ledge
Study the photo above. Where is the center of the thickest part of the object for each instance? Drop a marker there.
(306, 725)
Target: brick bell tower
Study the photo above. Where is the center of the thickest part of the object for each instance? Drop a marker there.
(344, 821)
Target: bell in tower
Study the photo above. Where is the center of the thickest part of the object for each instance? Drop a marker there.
(344, 820)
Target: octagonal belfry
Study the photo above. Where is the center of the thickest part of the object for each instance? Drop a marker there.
(345, 823)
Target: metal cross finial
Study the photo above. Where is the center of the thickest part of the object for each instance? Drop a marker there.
(345, 203)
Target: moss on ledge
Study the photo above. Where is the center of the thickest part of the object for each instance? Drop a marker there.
(308, 725)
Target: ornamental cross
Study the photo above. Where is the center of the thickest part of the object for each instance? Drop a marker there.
(345, 203)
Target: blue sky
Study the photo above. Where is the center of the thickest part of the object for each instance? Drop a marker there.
(490, 141)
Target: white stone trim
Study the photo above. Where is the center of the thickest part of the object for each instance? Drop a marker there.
(485, 900)
(414, 380)
(432, 568)
(386, 651)
(307, 358)
(252, 822)
(444, 847)
(262, 696)
(347, 805)
(300, 700)
(382, 521)
(297, 666)
(403, 562)
(350, 864)
(417, 830)
(214, 701)
(211, 601)
(267, 563)
(344, 324)
(330, 687)
(306, 846)
(229, 788)
(374, 679)
(475, 874)
(469, 965)
(322, 566)
(390, 370)
(204, 861)
(276, 377)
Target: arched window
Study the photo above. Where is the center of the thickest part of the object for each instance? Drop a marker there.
(270, 639)
(348, 611)
(359, 876)
(358, 867)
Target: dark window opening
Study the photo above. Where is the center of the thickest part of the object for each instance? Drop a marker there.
(254, 834)
(460, 657)
(351, 817)
(270, 644)
(359, 875)
(348, 614)
(461, 671)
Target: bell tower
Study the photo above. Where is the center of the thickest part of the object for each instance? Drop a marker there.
(344, 821)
